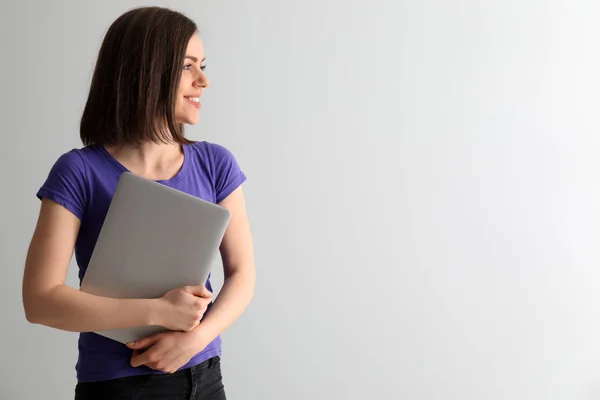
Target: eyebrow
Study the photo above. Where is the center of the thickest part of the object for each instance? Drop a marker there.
(195, 59)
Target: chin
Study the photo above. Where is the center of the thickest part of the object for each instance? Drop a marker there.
(187, 121)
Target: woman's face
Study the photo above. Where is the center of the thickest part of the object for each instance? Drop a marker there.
(192, 83)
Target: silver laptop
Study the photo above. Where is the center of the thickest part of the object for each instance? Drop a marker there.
(154, 239)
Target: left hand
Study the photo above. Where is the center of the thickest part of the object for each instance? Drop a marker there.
(165, 351)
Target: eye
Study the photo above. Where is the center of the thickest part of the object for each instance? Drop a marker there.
(187, 66)
(203, 67)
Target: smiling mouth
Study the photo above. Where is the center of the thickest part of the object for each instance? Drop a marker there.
(194, 100)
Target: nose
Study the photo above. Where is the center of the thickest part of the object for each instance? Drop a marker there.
(201, 80)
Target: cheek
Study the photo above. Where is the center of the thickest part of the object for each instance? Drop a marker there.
(180, 112)
(181, 105)
(178, 107)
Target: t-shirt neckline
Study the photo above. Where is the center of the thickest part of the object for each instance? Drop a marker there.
(177, 177)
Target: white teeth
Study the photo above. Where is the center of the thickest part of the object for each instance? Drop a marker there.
(196, 99)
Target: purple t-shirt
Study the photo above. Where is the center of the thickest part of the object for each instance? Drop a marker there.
(84, 181)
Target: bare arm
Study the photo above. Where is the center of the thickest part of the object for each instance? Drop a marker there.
(46, 298)
(237, 252)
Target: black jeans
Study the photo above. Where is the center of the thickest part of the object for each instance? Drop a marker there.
(201, 382)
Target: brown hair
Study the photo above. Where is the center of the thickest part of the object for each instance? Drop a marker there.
(134, 85)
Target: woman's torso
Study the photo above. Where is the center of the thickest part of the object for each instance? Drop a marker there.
(209, 172)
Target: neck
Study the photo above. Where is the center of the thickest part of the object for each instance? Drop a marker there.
(157, 161)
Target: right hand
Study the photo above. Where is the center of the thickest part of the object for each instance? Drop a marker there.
(185, 307)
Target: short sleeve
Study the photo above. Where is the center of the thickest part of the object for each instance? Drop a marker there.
(228, 175)
(66, 183)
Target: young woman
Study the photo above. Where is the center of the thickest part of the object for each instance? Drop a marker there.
(147, 83)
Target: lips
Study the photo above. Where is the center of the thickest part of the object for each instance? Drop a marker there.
(195, 101)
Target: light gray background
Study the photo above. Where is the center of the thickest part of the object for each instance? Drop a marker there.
(423, 189)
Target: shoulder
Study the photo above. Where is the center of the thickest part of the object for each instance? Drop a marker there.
(219, 151)
(212, 151)
(77, 163)
(213, 156)
(224, 170)
(70, 164)
(67, 181)
(72, 159)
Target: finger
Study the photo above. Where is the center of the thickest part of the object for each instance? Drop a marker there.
(148, 357)
(145, 342)
(200, 291)
(205, 303)
(136, 359)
